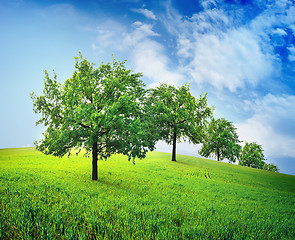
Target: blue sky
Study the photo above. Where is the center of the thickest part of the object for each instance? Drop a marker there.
(241, 52)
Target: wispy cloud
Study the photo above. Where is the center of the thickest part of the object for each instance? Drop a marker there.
(215, 51)
(280, 32)
(231, 60)
(139, 32)
(291, 49)
(217, 48)
(139, 43)
(207, 4)
(147, 13)
(149, 56)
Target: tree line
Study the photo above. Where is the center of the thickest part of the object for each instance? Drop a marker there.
(108, 110)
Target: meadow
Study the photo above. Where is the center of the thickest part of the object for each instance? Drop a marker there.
(43, 197)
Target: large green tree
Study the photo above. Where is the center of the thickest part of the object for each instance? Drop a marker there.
(221, 141)
(99, 109)
(178, 115)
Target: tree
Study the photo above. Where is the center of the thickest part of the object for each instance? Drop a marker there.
(99, 109)
(221, 141)
(271, 167)
(252, 156)
(177, 114)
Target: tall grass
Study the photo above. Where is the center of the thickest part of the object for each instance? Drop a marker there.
(42, 197)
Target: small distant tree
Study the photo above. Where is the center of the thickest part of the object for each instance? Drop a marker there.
(271, 167)
(178, 115)
(252, 156)
(221, 141)
(99, 109)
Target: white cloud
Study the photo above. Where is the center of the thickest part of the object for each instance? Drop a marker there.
(211, 20)
(231, 60)
(138, 45)
(211, 48)
(214, 51)
(149, 56)
(109, 36)
(147, 13)
(94, 47)
(209, 3)
(217, 48)
(271, 125)
(140, 32)
(184, 47)
(115, 35)
(280, 32)
(291, 49)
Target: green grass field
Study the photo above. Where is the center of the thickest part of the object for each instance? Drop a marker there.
(43, 197)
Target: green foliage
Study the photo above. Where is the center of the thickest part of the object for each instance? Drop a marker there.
(271, 167)
(96, 106)
(221, 141)
(177, 114)
(252, 156)
(45, 198)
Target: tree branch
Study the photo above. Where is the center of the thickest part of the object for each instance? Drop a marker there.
(181, 121)
(81, 124)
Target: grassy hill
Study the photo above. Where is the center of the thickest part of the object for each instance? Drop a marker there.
(43, 197)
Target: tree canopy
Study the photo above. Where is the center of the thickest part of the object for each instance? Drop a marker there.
(178, 115)
(252, 156)
(221, 141)
(271, 167)
(99, 109)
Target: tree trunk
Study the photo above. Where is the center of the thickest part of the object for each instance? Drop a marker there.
(94, 161)
(218, 155)
(174, 146)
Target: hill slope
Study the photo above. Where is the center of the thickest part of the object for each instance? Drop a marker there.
(43, 197)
